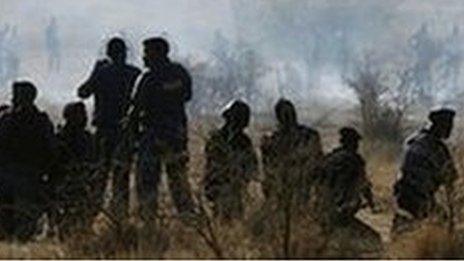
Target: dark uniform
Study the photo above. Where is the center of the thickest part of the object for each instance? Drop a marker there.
(426, 166)
(26, 155)
(73, 186)
(291, 157)
(111, 83)
(160, 110)
(230, 163)
(345, 187)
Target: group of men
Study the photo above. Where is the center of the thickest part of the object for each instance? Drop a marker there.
(331, 188)
(140, 118)
(65, 173)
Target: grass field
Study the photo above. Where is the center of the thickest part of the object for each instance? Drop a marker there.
(172, 239)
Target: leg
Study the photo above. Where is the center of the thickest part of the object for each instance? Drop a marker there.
(148, 177)
(121, 190)
(176, 168)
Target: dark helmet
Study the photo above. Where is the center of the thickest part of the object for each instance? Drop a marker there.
(349, 135)
(158, 45)
(24, 92)
(440, 116)
(285, 112)
(116, 48)
(442, 122)
(237, 112)
(75, 113)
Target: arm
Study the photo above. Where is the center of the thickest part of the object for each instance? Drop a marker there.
(181, 86)
(91, 84)
(250, 162)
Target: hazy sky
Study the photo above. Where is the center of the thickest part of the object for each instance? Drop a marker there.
(85, 25)
(190, 22)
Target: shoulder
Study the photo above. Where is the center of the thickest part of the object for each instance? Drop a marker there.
(340, 155)
(357, 158)
(146, 77)
(215, 136)
(178, 68)
(5, 111)
(44, 118)
(308, 132)
(133, 70)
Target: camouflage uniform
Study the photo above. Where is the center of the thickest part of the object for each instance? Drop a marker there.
(26, 155)
(291, 158)
(73, 184)
(111, 83)
(160, 109)
(230, 164)
(426, 166)
(345, 188)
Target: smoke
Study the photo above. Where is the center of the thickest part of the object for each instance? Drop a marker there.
(311, 45)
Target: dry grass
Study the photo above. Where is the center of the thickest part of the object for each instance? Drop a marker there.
(173, 239)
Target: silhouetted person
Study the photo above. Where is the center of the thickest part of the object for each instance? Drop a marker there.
(26, 155)
(231, 163)
(111, 83)
(160, 109)
(52, 45)
(427, 165)
(77, 195)
(345, 187)
(292, 155)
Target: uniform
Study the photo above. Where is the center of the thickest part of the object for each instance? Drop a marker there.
(344, 179)
(426, 165)
(291, 160)
(160, 104)
(112, 84)
(26, 155)
(77, 193)
(345, 188)
(230, 165)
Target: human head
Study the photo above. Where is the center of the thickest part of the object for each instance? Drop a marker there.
(442, 122)
(154, 49)
(75, 114)
(237, 115)
(116, 50)
(24, 94)
(285, 112)
(349, 138)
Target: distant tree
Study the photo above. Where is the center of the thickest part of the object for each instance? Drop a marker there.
(384, 97)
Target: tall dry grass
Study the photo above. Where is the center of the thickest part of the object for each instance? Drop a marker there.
(259, 235)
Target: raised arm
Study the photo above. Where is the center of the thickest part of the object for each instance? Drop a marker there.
(91, 84)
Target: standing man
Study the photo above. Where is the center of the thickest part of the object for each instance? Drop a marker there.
(231, 163)
(427, 165)
(111, 84)
(160, 109)
(27, 147)
(292, 156)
